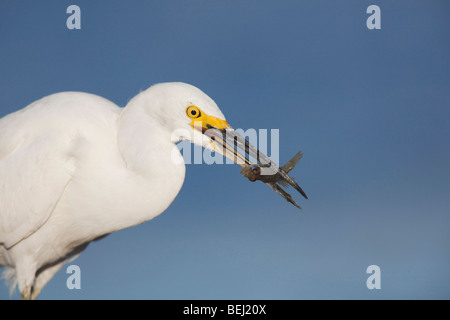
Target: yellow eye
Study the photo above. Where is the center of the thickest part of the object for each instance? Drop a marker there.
(193, 112)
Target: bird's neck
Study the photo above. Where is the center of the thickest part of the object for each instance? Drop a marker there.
(144, 144)
(150, 157)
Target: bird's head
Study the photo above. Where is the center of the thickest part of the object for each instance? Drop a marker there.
(189, 114)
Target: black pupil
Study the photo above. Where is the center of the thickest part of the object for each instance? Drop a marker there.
(193, 112)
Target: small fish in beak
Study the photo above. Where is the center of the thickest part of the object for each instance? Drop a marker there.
(228, 142)
(253, 173)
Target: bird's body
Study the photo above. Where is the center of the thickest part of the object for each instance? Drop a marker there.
(75, 167)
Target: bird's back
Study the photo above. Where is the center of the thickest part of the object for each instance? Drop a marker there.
(58, 113)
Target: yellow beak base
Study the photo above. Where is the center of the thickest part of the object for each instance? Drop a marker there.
(205, 122)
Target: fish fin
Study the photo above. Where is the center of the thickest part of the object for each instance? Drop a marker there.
(299, 189)
(284, 183)
(282, 193)
(292, 163)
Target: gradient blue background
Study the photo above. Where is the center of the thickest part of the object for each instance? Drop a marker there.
(369, 109)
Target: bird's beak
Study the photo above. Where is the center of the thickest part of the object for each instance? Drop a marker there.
(205, 122)
(230, 144)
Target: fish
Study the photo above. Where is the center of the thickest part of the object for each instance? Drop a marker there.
(264, 169)
(279, 176)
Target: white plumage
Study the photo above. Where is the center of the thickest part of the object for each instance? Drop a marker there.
(75, 167)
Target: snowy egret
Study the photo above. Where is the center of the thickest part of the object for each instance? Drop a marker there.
(75, 167)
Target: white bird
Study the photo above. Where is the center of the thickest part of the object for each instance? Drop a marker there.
(75, 167)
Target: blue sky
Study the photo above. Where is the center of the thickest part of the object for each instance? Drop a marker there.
(368, 108)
